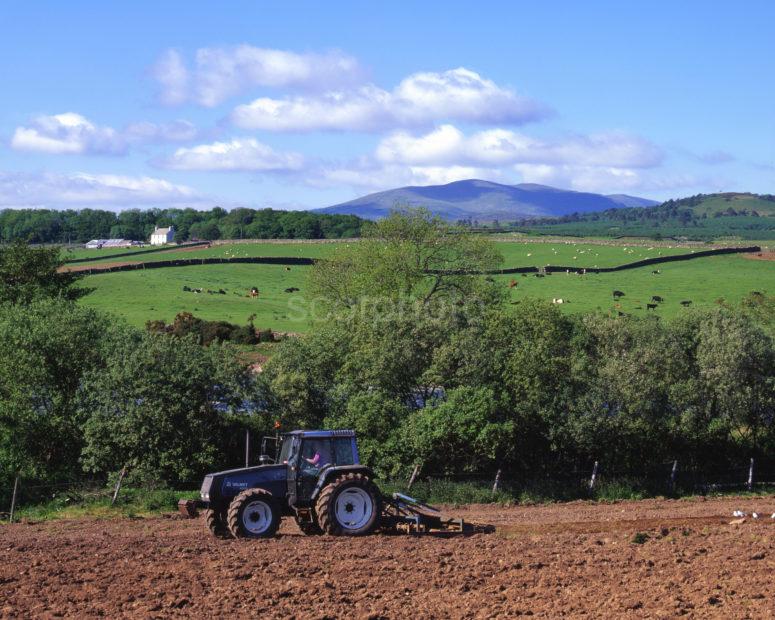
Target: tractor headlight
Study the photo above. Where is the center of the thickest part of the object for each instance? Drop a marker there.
(205, 496)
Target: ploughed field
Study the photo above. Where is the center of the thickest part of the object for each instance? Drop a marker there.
(653, 558)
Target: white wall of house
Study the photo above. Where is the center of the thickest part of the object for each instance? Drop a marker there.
(160, 236)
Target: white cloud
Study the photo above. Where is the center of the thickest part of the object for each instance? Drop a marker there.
(101, 190)
(68, 133)
(244, 154)
(498, 147)
(173, 78)
(419, 100)
(74, 134)
(222, 72)
(176, 131)
(602, 162)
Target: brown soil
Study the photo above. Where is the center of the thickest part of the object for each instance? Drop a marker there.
(565, 560)
(97, 266)
(761, 255)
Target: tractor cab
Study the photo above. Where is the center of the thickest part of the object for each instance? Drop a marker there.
(308, 454)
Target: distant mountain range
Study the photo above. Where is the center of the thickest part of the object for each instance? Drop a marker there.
(485, 201)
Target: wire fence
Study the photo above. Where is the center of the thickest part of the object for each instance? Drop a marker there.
(596, 481)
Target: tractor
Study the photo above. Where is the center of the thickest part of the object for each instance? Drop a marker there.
(317, 479)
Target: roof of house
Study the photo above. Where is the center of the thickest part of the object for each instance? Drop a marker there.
(162, 231)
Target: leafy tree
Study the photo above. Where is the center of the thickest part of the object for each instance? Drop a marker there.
(46, 348)
(27, 273)
(161, 407)
(408, 255)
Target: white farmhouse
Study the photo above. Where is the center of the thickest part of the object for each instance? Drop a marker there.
(160, 236)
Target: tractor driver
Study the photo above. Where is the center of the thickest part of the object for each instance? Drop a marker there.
(316, 454)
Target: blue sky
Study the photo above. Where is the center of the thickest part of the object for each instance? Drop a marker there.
(306, 104)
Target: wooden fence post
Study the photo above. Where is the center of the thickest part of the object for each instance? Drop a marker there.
(414, 477)
(673, 473)
(750, 476)
(121, 475)
(594, 477)
(497, 482)
(13, 498)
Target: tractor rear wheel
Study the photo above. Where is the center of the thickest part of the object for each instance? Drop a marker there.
(216, 523)
(351, 505)
(254, 513)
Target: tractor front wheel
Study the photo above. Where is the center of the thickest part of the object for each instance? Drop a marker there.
(350, 506)
(254, 513)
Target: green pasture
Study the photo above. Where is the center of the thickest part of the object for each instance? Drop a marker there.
(77, 253)
(515, 253)
(702, 281)
(158, 294)
(306, 250)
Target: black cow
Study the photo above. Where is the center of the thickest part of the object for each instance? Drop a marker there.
(657, 299)
(618, 294)
(651, 307)
(686, 303)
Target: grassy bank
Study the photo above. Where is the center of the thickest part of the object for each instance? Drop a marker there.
(141, 503)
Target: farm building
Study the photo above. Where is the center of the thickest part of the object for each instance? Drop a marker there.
(97, 244)
(160, 236)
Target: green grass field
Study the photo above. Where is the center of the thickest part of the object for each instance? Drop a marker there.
(308, 250)
(701, 281)
(158, 294)
(515, 253)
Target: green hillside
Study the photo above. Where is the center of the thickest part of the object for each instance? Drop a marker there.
(700, 217)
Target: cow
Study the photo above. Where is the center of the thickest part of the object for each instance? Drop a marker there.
(618, 294)
(651, 307)
(686, 303)
(513, 283)
(657, 299)
(254, 292)
(656, 272)
(539, 275)
(287, 269)
(291, 289)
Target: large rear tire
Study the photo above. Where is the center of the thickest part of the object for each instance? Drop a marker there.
(254, 513)
(351, 505)
(216, 523)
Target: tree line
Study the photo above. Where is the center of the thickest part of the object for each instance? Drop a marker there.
(80, 226)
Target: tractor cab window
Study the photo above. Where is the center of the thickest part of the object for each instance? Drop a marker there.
(286, 451)
(343, 451)
(316, 453)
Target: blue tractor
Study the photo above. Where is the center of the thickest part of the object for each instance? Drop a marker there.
(316, 478)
